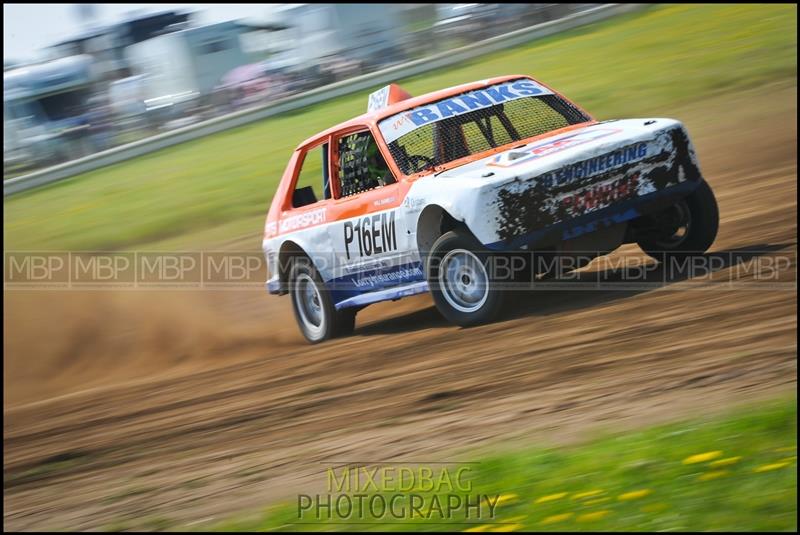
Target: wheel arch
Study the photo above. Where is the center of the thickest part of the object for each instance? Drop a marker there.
(433, 222)
(289, 249)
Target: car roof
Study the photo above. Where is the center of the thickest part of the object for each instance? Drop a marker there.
(372, 118)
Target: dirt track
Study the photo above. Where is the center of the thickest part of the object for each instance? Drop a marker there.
(153, 407)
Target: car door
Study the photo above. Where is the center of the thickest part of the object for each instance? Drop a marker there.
(371, 238)
(306, 215)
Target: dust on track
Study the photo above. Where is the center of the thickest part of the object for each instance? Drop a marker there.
(152, 407)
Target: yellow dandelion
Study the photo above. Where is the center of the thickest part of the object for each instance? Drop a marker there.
(594, 516)
(556, 518)
(506, 528)
(587, 494)
(503, 498)
(477, 529)
(725, 462)
(551, 497)
(596, 501)
(770, 467)
(633, 495)
(788, 459)
(702, 457)
(716, 474)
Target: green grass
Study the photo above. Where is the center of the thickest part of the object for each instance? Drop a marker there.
(630, 482)
(207, 191)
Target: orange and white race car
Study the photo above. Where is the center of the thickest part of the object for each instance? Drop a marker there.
(426, 193)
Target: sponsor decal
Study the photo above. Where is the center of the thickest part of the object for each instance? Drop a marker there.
(401, 274)
(414, 204)
(387, 200)
(593, 166)
(370, 235)
(375, 278)
(551, 146)
(306, 219)
(378, 99)
(398, 125)
(601, 195)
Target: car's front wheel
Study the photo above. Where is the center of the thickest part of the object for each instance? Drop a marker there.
(462, 280)
(313, 307)
(685, 229)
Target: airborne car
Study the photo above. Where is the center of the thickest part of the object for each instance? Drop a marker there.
(422, 193)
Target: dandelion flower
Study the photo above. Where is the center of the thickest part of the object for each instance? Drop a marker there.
(594, 516)
(503, 498)
(477, 529)
(702, 457)
(708, 476)
(725, 462)
(551, 497)
(634, 495)
(770, 467)
(587, 494)
(506, 528)
(556, 518)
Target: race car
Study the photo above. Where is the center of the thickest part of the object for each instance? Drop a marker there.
(428, 193)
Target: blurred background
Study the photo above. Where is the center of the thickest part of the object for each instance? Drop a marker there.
(119, 76)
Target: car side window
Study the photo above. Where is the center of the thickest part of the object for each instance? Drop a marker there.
(312, 183)
(361, 165)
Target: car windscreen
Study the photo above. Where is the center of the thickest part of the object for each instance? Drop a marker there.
(473, 122)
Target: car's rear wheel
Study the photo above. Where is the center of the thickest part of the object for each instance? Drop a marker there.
(313, 307)
(461, 280)
(687, 228)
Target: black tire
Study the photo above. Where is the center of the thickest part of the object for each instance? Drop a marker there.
(687, 228)
(463, 307)
(345, 322)
(313, 306)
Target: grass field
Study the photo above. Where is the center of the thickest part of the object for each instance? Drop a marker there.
(205, 192)
(729, 473)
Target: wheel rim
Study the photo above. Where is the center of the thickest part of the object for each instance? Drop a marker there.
(677, 223)
(463, 280)
(308, 303)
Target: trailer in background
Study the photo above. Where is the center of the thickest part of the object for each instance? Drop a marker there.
(45, 111)
(180, 69)
(341, 40)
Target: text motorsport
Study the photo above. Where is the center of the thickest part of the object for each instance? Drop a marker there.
(395, 493)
